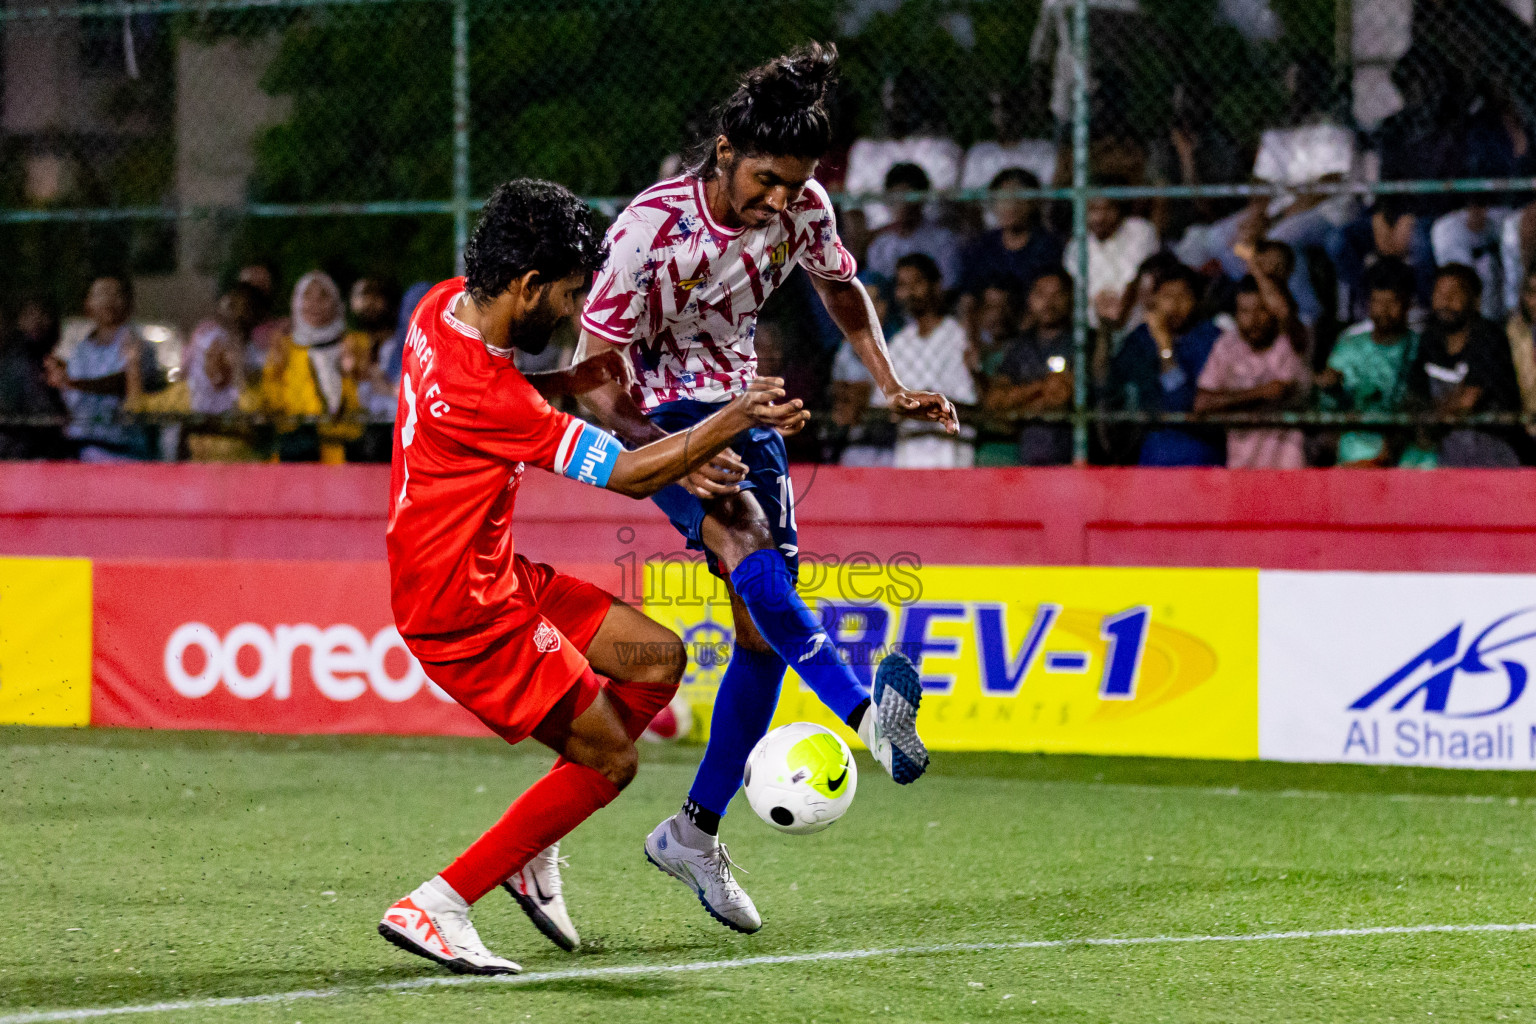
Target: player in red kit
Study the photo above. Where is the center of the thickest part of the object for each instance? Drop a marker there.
(514, 641)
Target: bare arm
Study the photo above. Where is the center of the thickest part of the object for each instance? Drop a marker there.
(1276, 300)
(1045, 394)
(1461, 401)
(610, 403)
(851, 309)
(111, 384)
(220, 363)
(582, 376)
(641, 472)
(1003, 396)
(1264, 396)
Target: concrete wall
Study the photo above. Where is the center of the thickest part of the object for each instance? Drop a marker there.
(1400, 520)
(220, 111)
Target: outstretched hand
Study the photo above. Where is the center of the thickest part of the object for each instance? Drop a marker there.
(721, 475)
(765, 404)
(56, 373)
(925, 405)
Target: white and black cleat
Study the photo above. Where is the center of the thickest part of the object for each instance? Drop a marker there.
(889, 727)
(539, 891)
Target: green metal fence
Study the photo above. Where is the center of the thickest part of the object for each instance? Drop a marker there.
(178, 139)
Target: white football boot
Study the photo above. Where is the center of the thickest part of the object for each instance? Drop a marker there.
(537, 889)
(434, 925)
(707, 873)
(889, 726)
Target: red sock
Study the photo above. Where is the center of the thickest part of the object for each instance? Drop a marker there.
(549, 809)
(636, 703)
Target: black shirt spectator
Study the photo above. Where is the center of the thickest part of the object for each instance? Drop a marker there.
(1018, 250)
(1464, 366)
(1157, 368)
(24, 389)
(1033, 372)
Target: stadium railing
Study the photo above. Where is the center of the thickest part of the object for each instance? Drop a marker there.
(372, 126)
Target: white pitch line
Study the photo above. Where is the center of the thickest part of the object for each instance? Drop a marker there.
(91, 1013)
(1170, 789)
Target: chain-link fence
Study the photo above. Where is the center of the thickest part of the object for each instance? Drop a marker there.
(179, 140)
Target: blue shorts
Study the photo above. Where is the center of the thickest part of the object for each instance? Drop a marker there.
(762, 449)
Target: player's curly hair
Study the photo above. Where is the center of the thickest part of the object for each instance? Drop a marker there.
(530, 225)
(779, 109)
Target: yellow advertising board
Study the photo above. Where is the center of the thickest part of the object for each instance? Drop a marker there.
(1158, 662)
(45, 641)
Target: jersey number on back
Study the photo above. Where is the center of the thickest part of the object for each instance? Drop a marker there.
(407, 432)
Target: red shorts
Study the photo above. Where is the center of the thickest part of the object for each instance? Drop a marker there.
(513, 684)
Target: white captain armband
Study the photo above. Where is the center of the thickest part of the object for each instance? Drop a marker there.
(587, 454)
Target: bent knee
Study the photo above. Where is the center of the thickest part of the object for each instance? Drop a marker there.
(664, 665)
(743, 530)
(742, 539)
(620, 764)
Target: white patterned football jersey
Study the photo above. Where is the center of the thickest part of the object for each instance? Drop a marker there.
(682, 292)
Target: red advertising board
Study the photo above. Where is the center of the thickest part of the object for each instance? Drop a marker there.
(281, 647)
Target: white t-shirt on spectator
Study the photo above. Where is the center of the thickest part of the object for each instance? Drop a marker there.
(986, 160)
(930, 239)
(933, 363)
(869, 160)
(848, 368)
(1112, 263)
(1300, 156)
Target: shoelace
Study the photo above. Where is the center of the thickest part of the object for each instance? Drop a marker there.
(554, 884)
(460, 932)
(721, 865)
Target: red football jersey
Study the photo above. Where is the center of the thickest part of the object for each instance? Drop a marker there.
(467, 426)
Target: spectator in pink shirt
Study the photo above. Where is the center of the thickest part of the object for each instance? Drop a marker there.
(1255, 368)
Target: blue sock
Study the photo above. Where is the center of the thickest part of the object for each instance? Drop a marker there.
(766, 587)
(749, 693)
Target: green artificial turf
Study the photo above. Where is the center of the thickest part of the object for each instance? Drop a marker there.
(138, 868)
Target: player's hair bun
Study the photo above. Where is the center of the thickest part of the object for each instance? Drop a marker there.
(779, 109)
(792, 84)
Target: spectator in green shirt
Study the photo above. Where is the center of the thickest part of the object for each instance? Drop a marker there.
(1368, 367)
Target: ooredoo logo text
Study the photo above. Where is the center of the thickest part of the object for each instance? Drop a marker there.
(252, 661)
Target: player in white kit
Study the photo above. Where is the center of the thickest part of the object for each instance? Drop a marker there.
(692, 261)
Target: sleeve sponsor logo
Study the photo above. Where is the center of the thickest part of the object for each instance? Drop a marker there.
(587, 454)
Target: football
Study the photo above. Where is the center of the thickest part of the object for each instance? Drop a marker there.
(800, 778)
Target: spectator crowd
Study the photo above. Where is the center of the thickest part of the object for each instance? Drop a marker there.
(1413, 308)
(316, 385)
(1307, 300)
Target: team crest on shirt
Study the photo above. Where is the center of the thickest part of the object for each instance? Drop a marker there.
(545, 638)
(779, 256)
(689, 284)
